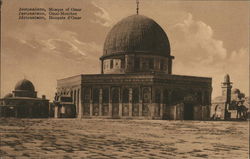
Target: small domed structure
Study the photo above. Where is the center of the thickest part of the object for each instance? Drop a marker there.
(25, 88)
(24, 85)
(23, 102)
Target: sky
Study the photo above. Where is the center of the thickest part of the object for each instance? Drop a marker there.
(207, 38)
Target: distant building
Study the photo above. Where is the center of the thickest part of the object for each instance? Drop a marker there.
(230, 105)
(24, 103)
(64, 107)
(136, 79)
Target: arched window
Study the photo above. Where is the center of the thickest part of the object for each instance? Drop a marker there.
(151, 63)
(146, 95)
(166, 97)
(157, 96)
(206, 98)
(125, 95)
(95, 95)
(162, 64)
(135, 97)
(105, 95)
(111, 64)
(115, 95)
(199, 97)
(177, 96)
(137, 63)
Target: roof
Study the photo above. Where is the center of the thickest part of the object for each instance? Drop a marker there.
(134, 78)
(24, 85)
(26, 98)
(136, 34)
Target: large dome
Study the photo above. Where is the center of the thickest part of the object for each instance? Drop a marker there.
(24, 85)
(134, 34)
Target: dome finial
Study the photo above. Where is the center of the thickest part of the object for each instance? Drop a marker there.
(137, 8)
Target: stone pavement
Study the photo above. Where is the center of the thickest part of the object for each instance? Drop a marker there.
(106, 138)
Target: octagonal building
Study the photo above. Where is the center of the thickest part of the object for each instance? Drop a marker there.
(136, 79)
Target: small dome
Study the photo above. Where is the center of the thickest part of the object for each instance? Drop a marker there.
(137, 33)
(9, 95)
(227, 78)
(24, 85)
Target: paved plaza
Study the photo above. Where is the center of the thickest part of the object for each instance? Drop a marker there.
(108, 138)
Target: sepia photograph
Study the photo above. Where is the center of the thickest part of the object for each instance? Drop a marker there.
(119, 79)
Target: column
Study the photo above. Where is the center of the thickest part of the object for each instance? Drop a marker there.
(140, 101)
(91, 108)
(74, 101)
(175, 112)
(100, 102)
(169, 107)
(140, 108)
(82, 101)
(80, 104)
(73, 96)
(77, 101)
(110, 102)
(209, 102)
(101, 66)
(130, 101)
(56, 111)
(91, 103)
(126, 63)
(152, 103)
(161, 105)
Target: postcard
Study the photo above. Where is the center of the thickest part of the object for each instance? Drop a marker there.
(124, 79)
